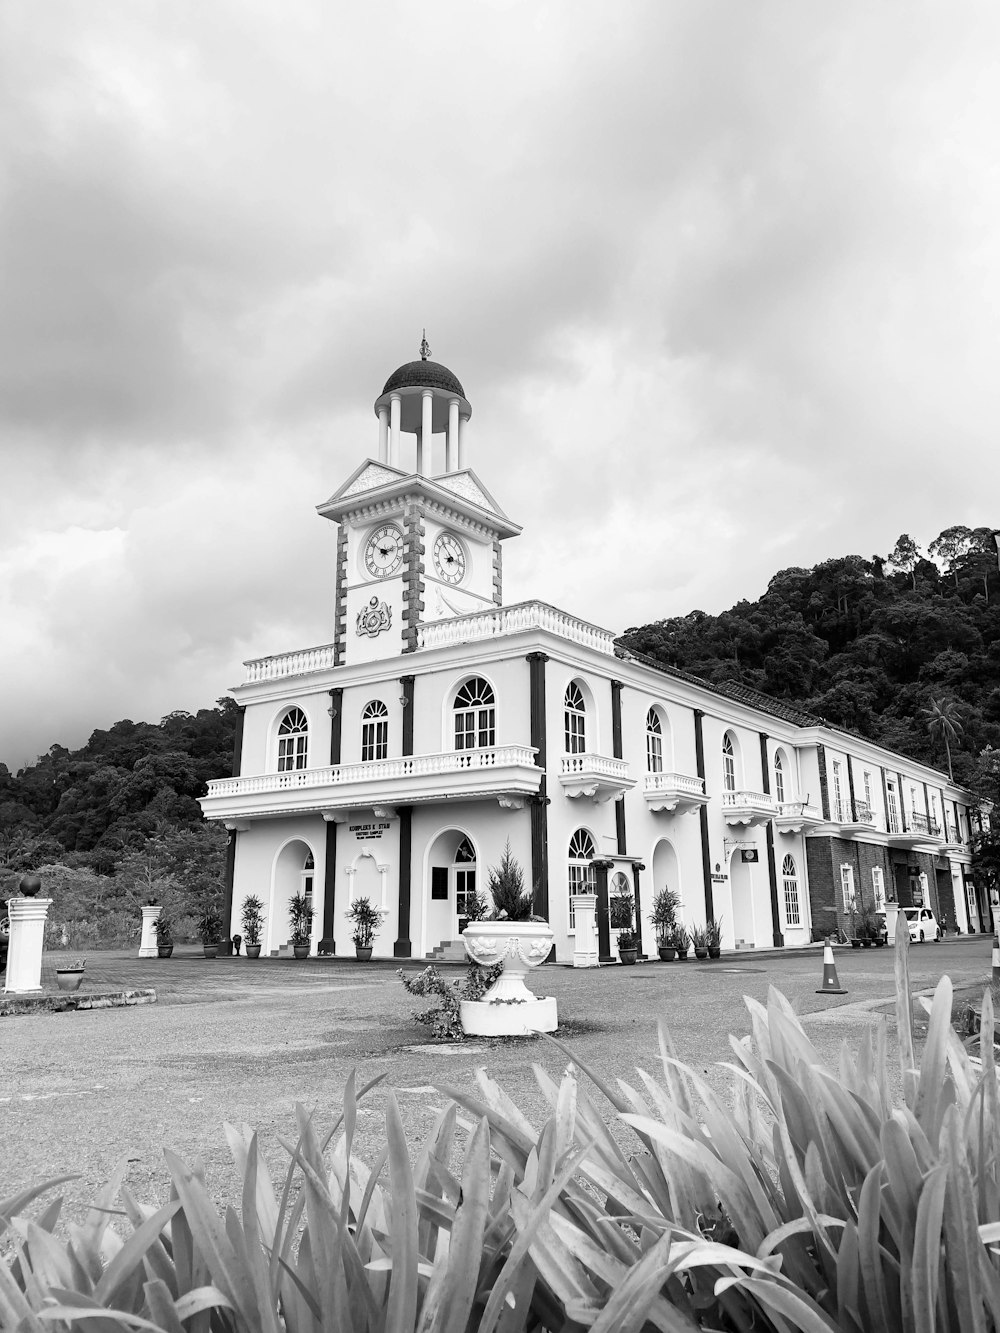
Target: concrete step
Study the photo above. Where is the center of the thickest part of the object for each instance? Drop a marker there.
(448, 951)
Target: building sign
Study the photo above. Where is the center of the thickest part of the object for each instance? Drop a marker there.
(365, 831)
(719, 879)
(750, 855)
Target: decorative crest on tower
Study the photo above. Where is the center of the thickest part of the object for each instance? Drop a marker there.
(425, 347)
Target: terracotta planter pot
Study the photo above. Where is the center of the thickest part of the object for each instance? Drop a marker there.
(164, 950)
(67, 979)
(667, 953)
(628, 957)
(682, 955)
(700, 953)
(211, 950)
(715, 951)
(364, 953)
(253, 950)
(300, 950)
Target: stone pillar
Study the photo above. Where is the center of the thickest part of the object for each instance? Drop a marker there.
(395, 410)
(462, 443)
(27, 937)
(585, 914)
(147, 941)
(383, 434)
(451, 445)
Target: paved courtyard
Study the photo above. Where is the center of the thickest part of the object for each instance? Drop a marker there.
(240, 1040)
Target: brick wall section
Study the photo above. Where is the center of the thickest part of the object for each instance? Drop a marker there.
(824, 857)
(340, 607)
(413, 584)
(497, 572)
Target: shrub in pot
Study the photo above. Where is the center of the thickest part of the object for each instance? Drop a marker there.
(164, 935)
(713, 932)
(663, 916)
(210, 930)
(366, 920)
(300, 919)
(622, 913)
(681, 942)
(252, 918)
(699, 938)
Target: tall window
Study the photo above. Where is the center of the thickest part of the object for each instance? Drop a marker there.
(465, 876)
(868, 789)
(293, 741)
(779, 780)
(790, 882)
(878, 888)
(728, 763)
(575, 719)
(892, 812)
(838, 793)
(374, 731)
(475, 716)
(581, 873)
(654, 742)
(847, 886)
(308, 873)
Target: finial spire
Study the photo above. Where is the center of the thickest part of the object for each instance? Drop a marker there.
(425, 349)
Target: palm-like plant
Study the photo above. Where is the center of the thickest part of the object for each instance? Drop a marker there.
(944, 724)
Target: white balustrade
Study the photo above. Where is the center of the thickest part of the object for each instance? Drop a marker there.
(289, 664)
(671, 782)
(757, 801)
(500, 621)
(594, 763)
(378, 770)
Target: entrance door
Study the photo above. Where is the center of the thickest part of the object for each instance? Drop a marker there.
(464, 872)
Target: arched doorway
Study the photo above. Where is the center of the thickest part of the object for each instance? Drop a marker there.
(451, 879)
(665, 875)
(742, 897)
(294, 869)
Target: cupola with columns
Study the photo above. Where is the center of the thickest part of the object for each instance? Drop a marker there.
(419, 544)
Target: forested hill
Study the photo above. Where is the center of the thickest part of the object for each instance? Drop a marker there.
(903, 649)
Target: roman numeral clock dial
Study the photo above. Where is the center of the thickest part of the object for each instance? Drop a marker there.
(384, 551)
(449, 558)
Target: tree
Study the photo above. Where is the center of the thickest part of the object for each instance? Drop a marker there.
(905, 556)
(944, 724)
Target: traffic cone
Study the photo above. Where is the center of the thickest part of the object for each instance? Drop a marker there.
(831, 982)
(996, 959)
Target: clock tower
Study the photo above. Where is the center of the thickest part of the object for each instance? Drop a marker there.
(419, 537)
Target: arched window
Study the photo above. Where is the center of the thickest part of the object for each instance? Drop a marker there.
(293, 741)
(779, 779)
(728, 763)
(654, 742)
(575, 719)
(790, 882)
(475, 716)
(465, 876)
(581, 873)
(374, 731)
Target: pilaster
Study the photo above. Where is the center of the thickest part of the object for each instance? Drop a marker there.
(497, 572)
(413, 583)
(340, 596)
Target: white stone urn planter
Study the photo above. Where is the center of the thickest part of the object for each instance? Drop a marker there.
(508, 1009)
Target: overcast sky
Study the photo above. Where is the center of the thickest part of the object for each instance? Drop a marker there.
(721, 281)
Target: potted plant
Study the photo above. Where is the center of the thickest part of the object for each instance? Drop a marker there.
(210, 929)
(70, 973)
(622, 911)
(519, 940)
(300, 918)
(681, 941)
(699, 938)
(367, 920)
(164, 935)
(252, 918)
(664, 919)
(713, 930)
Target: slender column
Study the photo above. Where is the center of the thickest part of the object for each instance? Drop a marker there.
(902, 802)
(616, 750)
(777, 939)
(327, 942)
(426, 437)
(462, 425)
(403, 948)
(850, 788)
(637, 867)
(601, 869)
(383, 435)
(407, 684)
(336, 706)
(706, 854)
(395, 409)
(539, 805)
(824, 781)
(451, 448)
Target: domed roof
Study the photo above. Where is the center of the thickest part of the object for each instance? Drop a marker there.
(424, 375)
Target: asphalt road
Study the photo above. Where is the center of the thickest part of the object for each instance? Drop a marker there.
(243, 1041)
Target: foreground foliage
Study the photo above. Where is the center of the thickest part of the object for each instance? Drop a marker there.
(818, 1203)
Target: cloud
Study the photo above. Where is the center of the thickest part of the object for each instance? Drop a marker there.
(721, 283)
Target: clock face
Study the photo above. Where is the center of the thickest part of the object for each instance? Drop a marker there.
(384, 551)
(449, 558)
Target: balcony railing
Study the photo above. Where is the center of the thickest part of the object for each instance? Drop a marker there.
(794, 816)
(674, 791)
(595, 775)
(289, 664)
(924, 824)
(747, 807)
(501, 621)
(861, 813)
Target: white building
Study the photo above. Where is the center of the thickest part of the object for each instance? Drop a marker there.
(397, 761)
